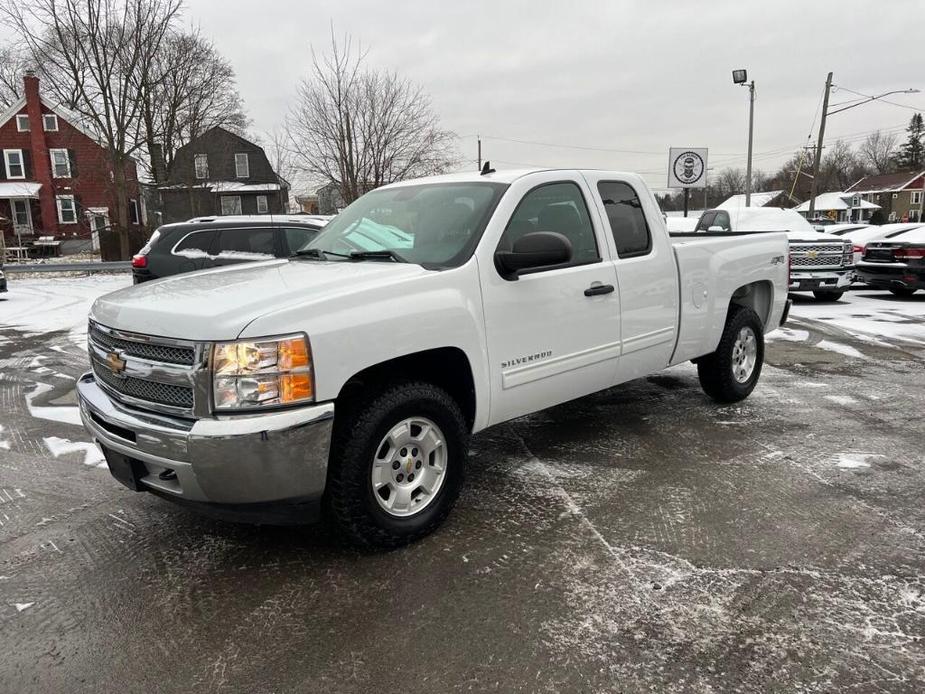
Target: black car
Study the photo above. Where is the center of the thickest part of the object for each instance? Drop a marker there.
(895, 262)
(2, 280)
(207, 242)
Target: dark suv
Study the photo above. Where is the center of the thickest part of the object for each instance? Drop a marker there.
(206, 242)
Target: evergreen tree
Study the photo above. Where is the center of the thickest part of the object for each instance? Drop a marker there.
(911, 155)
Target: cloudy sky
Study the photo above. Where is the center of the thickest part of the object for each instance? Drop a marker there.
(630, 77)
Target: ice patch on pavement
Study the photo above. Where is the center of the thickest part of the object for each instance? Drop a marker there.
(841, 399)
(20, 606)
(788, 335)
(68, 414)
(92, 455)
(851, 461)
(4, 443)
(839, 348)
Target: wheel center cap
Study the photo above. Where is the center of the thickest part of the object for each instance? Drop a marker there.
(409, 465)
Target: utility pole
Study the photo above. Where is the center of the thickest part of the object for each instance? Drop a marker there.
(751, 130)
(818, 157)
(479, 138)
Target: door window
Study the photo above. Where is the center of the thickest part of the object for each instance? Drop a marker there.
(557, 207)
(195, 245)
(722, 220)
(706, 221)
(627, 220)
(296, 237)
(246, 244)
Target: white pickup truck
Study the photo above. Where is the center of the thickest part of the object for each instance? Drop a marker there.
(349, 378)
(820, 263)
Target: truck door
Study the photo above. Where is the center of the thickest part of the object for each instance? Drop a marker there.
(552, 334)
(647, 276)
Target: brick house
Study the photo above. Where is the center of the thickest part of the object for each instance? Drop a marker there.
(55, 177)
(221, 173)
(900, 195)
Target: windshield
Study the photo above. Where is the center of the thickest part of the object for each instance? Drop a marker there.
(436, 225)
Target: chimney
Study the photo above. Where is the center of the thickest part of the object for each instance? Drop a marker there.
(31, 84)
(41, 166)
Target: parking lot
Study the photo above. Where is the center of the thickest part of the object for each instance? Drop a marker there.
(642, 538)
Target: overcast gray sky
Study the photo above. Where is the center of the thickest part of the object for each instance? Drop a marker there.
(634, 76)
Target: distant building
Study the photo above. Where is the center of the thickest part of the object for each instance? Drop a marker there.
(900, 195)
(840, 207)
(770, 198)
(221, 173)
(56, 178)
(307, 203)
(330, 200)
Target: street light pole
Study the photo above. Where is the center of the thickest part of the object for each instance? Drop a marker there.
(818, 157)
(751, 130)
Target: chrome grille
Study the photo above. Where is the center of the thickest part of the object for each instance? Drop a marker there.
(151, 391)
(144, 350)
(821, 255)
(155, 373)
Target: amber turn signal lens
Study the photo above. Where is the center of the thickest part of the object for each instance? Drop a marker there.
(295, 387)
(293, 354)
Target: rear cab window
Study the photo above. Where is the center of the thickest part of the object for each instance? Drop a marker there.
(627, 221)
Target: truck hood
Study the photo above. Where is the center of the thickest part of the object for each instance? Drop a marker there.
(218, 304)
(811, 237)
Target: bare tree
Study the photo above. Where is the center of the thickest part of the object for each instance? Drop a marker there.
(93, 55)
(730, 182)
(359, 128)
(878, 150)
(13, 64)
(188, 89)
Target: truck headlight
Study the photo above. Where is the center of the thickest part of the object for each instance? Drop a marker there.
(249, 374)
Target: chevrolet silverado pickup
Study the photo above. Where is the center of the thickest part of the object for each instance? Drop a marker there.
(347, 379)
(820, 263)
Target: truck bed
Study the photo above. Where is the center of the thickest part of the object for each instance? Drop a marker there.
(712, 267)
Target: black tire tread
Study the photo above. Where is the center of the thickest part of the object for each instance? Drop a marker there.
(346, 485)
(715, 370)
(827, 295)
(902, 292)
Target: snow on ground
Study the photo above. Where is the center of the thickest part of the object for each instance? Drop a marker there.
(62, 303)
(869, 315)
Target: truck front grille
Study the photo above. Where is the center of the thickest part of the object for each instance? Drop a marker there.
(819, 255)
(151, 372)
(145, 350)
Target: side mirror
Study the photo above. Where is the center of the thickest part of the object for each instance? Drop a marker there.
(533, 250)
(716, 228)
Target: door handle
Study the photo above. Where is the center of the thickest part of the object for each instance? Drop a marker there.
(598, 289)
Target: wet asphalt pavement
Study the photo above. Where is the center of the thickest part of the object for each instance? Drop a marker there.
(640, 539)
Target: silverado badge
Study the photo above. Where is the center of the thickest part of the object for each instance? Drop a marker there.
(115, 363)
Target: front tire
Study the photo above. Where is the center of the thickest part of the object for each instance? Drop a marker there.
(827, 295)
(396, 466)
(902, 292)
(731, 372)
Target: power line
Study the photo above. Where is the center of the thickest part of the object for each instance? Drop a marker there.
(875, 98)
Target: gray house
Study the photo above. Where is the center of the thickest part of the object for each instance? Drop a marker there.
(221, 173)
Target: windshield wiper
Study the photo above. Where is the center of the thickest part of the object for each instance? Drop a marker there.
(374, 255)
(318, 253)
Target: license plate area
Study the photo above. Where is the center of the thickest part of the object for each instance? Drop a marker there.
(126, 470)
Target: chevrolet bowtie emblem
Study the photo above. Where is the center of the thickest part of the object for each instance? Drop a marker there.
(812, 254)
(115, 363)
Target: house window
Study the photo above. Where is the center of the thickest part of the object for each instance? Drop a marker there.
(22, 123)
(67, 209)
(262, 206)
(231, 204)
(13, 160)
(50, 122)
(242, 167)
(133, 211)
(201, 162)
(916, 197)
(60, 163)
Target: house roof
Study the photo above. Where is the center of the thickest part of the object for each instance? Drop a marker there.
(836, 201)
(758, 200)
(885, 183)
(62, 112)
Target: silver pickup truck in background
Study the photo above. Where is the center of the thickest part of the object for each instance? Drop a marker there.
(819, 263)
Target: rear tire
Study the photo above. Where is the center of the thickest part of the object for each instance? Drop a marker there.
(731, 372)
(827, 295)
(359, 446)
(902, 292)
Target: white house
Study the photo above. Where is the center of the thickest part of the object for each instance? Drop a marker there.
(841, 207)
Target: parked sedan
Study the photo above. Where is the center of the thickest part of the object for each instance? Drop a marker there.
(896, 262)
(207, 242)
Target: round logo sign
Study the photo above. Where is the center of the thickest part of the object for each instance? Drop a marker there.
(688, 167)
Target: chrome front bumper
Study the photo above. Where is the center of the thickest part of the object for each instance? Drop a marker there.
(248, 459)
(819, 279)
